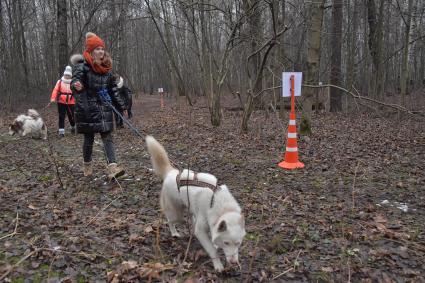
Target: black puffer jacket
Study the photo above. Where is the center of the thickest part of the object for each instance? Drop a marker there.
(127, 96)
(92, 115)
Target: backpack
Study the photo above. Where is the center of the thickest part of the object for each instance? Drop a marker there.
(60, 93)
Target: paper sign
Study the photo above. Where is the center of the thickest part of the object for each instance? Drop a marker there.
(160, 90)
(286, 83)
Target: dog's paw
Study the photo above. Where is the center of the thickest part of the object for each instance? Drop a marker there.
(218, 266)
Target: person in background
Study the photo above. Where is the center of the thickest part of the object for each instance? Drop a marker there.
(126, 95)
(62, 95)
(94, 89)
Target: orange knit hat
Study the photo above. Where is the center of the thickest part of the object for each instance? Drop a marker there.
(93, 41)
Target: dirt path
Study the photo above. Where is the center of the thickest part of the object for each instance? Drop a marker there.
(341, 217)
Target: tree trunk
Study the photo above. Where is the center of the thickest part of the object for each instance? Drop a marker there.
(352, 39)
(62, 35)
(404, 76)
(23, 46)
(313, 61)
(281, 54)
(375, 21)
(253, 62)
(336, 99)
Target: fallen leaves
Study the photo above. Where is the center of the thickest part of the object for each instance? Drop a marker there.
(135, 238)
(148, 229)
(132, 270)
(99, 227)
(381, 226)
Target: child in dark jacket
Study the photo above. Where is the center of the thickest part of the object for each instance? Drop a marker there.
(126, 95)
(94, 88)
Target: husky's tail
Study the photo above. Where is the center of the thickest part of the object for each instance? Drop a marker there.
(33, 114)
(161, 163)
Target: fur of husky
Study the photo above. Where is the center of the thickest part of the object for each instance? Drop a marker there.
(221, 225)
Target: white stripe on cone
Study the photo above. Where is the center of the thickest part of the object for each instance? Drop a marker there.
(292, 149)
(292, 135)
(292, 122)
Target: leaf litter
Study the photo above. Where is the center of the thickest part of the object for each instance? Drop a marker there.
(327, 222)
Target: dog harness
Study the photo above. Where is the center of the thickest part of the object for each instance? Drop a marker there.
(195, 182)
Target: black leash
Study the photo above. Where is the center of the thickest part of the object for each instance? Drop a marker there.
(103, 93)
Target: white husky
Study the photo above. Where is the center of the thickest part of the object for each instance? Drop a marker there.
(213, 213)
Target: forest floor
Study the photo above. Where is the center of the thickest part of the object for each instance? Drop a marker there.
(356, 212)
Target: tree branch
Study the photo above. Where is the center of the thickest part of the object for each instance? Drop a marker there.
(356, 96)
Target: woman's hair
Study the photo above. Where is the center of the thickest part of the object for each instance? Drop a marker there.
(105, 61)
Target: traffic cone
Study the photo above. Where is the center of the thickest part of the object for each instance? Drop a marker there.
(290, 160)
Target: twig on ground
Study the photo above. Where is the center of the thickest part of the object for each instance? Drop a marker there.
(349, 271)
(50, 267)
(103, 209)
(55, 163)
(187, 248)
(17, 264)
(15, 230)
(87, 255)
(354, 185)
(251, 262)
(296, 259)
(283, 273)
(157, 240)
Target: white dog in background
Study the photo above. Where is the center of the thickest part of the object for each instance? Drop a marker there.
(218, 221)
(29, 124)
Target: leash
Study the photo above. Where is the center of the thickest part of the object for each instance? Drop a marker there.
(104, 96)
(71, 113)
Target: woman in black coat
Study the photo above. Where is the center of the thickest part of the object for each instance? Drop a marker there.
(94, 89)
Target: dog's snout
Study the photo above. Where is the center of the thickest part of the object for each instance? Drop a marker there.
(233, 260)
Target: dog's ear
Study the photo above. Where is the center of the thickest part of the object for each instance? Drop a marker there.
(16, 125)
(222, 226)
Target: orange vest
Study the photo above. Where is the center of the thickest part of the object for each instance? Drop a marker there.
(62, 93)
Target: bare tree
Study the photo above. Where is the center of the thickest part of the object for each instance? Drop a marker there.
(258, 56)
(313, 61)
(375, 20)
(62, 35)
(335, 96)
(167, 42)
(220, 48)
(404, 74)
(352, 27)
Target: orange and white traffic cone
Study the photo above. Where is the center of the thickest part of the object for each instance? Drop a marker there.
(290, 160)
